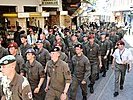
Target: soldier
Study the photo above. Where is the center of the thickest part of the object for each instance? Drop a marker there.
(80, 73)
(42, 55)
(74, 41)
(59, 40)
(104, 48)
(58, 77)
(85, 40)
(122, 57)
(63, 56)
(14, 86)
(46, 43)
(71, 50)
(114, 38)
(51, 36)
(35, 75)
(3, 51)
(13, 49)
(94, 55)
(110, 51)
(24, 46)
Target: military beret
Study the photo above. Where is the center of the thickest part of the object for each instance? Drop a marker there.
(79, 45)
(7, 60)
(13, 44)
(31, 51)
(39, 41)
(120, 42)
(55, 49)
(91, 36)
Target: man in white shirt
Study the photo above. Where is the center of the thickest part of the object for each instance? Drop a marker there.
(121, 58)
(32, 37)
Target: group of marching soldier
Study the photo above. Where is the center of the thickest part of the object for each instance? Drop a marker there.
(55, 63)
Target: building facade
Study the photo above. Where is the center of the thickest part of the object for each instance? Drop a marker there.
(122, 10)
(32, 13)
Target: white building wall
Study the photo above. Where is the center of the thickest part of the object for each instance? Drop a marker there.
(121, 5)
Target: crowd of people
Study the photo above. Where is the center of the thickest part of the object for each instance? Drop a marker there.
(52, 64)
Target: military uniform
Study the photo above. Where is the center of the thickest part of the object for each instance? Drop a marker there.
(104, 47)
(19, 63)
(23, 49)
(3, 52)
(63, 57)
(19, 59)
(71, 48)
(114, 38)
(59, 74)
(42, 56)
(47, 45)
(34, 73)
(93, 53)
(51, 38)
(110, 51)
(80, 71)
(17, 89)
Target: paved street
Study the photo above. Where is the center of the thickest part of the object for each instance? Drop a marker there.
(104, 87)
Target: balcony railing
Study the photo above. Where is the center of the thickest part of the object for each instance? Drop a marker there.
(50, 2)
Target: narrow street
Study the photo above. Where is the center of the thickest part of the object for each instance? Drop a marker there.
(104, 87)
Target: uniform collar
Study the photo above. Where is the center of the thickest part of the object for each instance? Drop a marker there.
(57, 63)
(33, 63)
(79, 57)
(39, 51)
(15, 79)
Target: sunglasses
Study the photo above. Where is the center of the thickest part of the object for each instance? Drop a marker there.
(119, 44)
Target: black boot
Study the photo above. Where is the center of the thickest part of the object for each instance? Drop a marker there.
(91, 89)
(91, 84)
(104, 74)
(84, 98)
(116, 94)
(97, 76)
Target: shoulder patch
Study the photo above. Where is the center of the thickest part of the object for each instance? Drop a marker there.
(25, 83)
(30, 95)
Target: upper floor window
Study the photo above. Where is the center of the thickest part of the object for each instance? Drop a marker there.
(29, 9)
